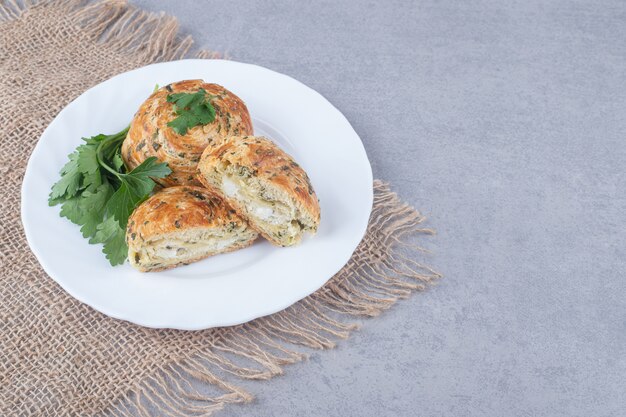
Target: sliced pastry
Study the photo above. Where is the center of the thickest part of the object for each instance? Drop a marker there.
(183, 224)
(264, 185)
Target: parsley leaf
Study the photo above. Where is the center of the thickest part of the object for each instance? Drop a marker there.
(69, 183)
(88, 209)
(118, 163)
(71, 210)
(182, 123)
(98, 194)
(93, 205)
(112, 235)
(192, 109)
(122, 203)
(87, 158)
(135, 187)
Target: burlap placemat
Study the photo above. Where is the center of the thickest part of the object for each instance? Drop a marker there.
(59, 357)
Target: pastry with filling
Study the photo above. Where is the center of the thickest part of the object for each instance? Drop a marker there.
(264, 185)
(149, 135)
(183, 224)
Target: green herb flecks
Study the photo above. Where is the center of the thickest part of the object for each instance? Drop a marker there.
(192, 109)
(96, 192)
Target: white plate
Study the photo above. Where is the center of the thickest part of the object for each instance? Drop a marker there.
(225, 289)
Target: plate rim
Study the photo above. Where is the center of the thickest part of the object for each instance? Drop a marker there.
(116, 313)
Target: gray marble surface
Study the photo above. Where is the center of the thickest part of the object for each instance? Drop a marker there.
(505, 123)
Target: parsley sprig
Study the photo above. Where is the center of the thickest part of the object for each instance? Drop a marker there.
(192, 109)
(96, 192)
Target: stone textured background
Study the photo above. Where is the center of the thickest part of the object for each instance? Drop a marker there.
(505, 123)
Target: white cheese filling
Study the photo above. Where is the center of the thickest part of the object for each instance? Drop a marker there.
(180, 249)
(268, 211)
(230, 187)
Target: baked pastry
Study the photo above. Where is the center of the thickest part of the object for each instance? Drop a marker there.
(149, 135)
(183, 224)
(264, 185)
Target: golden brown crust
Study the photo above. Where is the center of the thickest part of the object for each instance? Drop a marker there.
(183, 218)
(149, 134)
(267, 162)
(175, 208)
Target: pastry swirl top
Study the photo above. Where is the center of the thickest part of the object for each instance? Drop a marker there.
(149, 134)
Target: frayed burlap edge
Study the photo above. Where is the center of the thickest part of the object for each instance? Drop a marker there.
(382, 270)
(150, 37)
